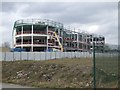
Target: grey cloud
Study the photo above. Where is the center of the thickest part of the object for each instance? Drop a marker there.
(8, 7)
(66, 12)
(102, 14)
(87, 13)
(45, 8)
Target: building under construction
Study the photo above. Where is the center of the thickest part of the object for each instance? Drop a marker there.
(47, 35)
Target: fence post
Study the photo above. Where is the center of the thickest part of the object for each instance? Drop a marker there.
(94, 68)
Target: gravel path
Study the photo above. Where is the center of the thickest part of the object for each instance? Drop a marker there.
(6, 85)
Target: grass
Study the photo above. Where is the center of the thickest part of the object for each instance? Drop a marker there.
(107, 71)
(108, 64)
(60, 73)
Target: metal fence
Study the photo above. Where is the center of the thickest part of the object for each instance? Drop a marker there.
(12, 56)
(105, 65)
(106, 70)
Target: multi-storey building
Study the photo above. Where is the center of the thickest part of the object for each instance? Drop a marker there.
(48, 35)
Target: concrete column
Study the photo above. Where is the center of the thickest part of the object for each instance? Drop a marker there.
(32, 40)
(74, 37)
(47, 38)
(71, 41)
(62, 36)
(13, 37)
(77, 40)
(22, 38)
(82, 42)
(85, 42)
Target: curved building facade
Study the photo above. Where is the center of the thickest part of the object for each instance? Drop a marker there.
(38, 35)
(48, 35)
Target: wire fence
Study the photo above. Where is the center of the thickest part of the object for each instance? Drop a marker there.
(106, 70)
(105, 65)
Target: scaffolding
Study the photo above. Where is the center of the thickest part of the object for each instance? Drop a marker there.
(45, 35)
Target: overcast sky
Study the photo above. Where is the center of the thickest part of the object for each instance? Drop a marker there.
(95, 17)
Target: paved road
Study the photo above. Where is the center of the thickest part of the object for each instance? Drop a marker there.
(5, 85)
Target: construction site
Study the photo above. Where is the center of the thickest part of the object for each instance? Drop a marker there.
(36, 35)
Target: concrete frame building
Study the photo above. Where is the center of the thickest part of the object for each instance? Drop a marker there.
(47, 35)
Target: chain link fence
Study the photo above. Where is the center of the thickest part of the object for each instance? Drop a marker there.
(106, 70)
(105, 65)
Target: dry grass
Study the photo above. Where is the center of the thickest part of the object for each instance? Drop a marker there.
(60, 73)
(107, 71)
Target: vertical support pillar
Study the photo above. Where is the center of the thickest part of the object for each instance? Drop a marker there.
(47, 38)
(13, 37)
(74, 38)
(85, 42)
(32, 39)
(14, 32)
(77, 41)
(55, 30)
(22, 38)
(71, 40)
(82, 42)
(62, 36)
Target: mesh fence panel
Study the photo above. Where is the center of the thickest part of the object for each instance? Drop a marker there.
(106, 70)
